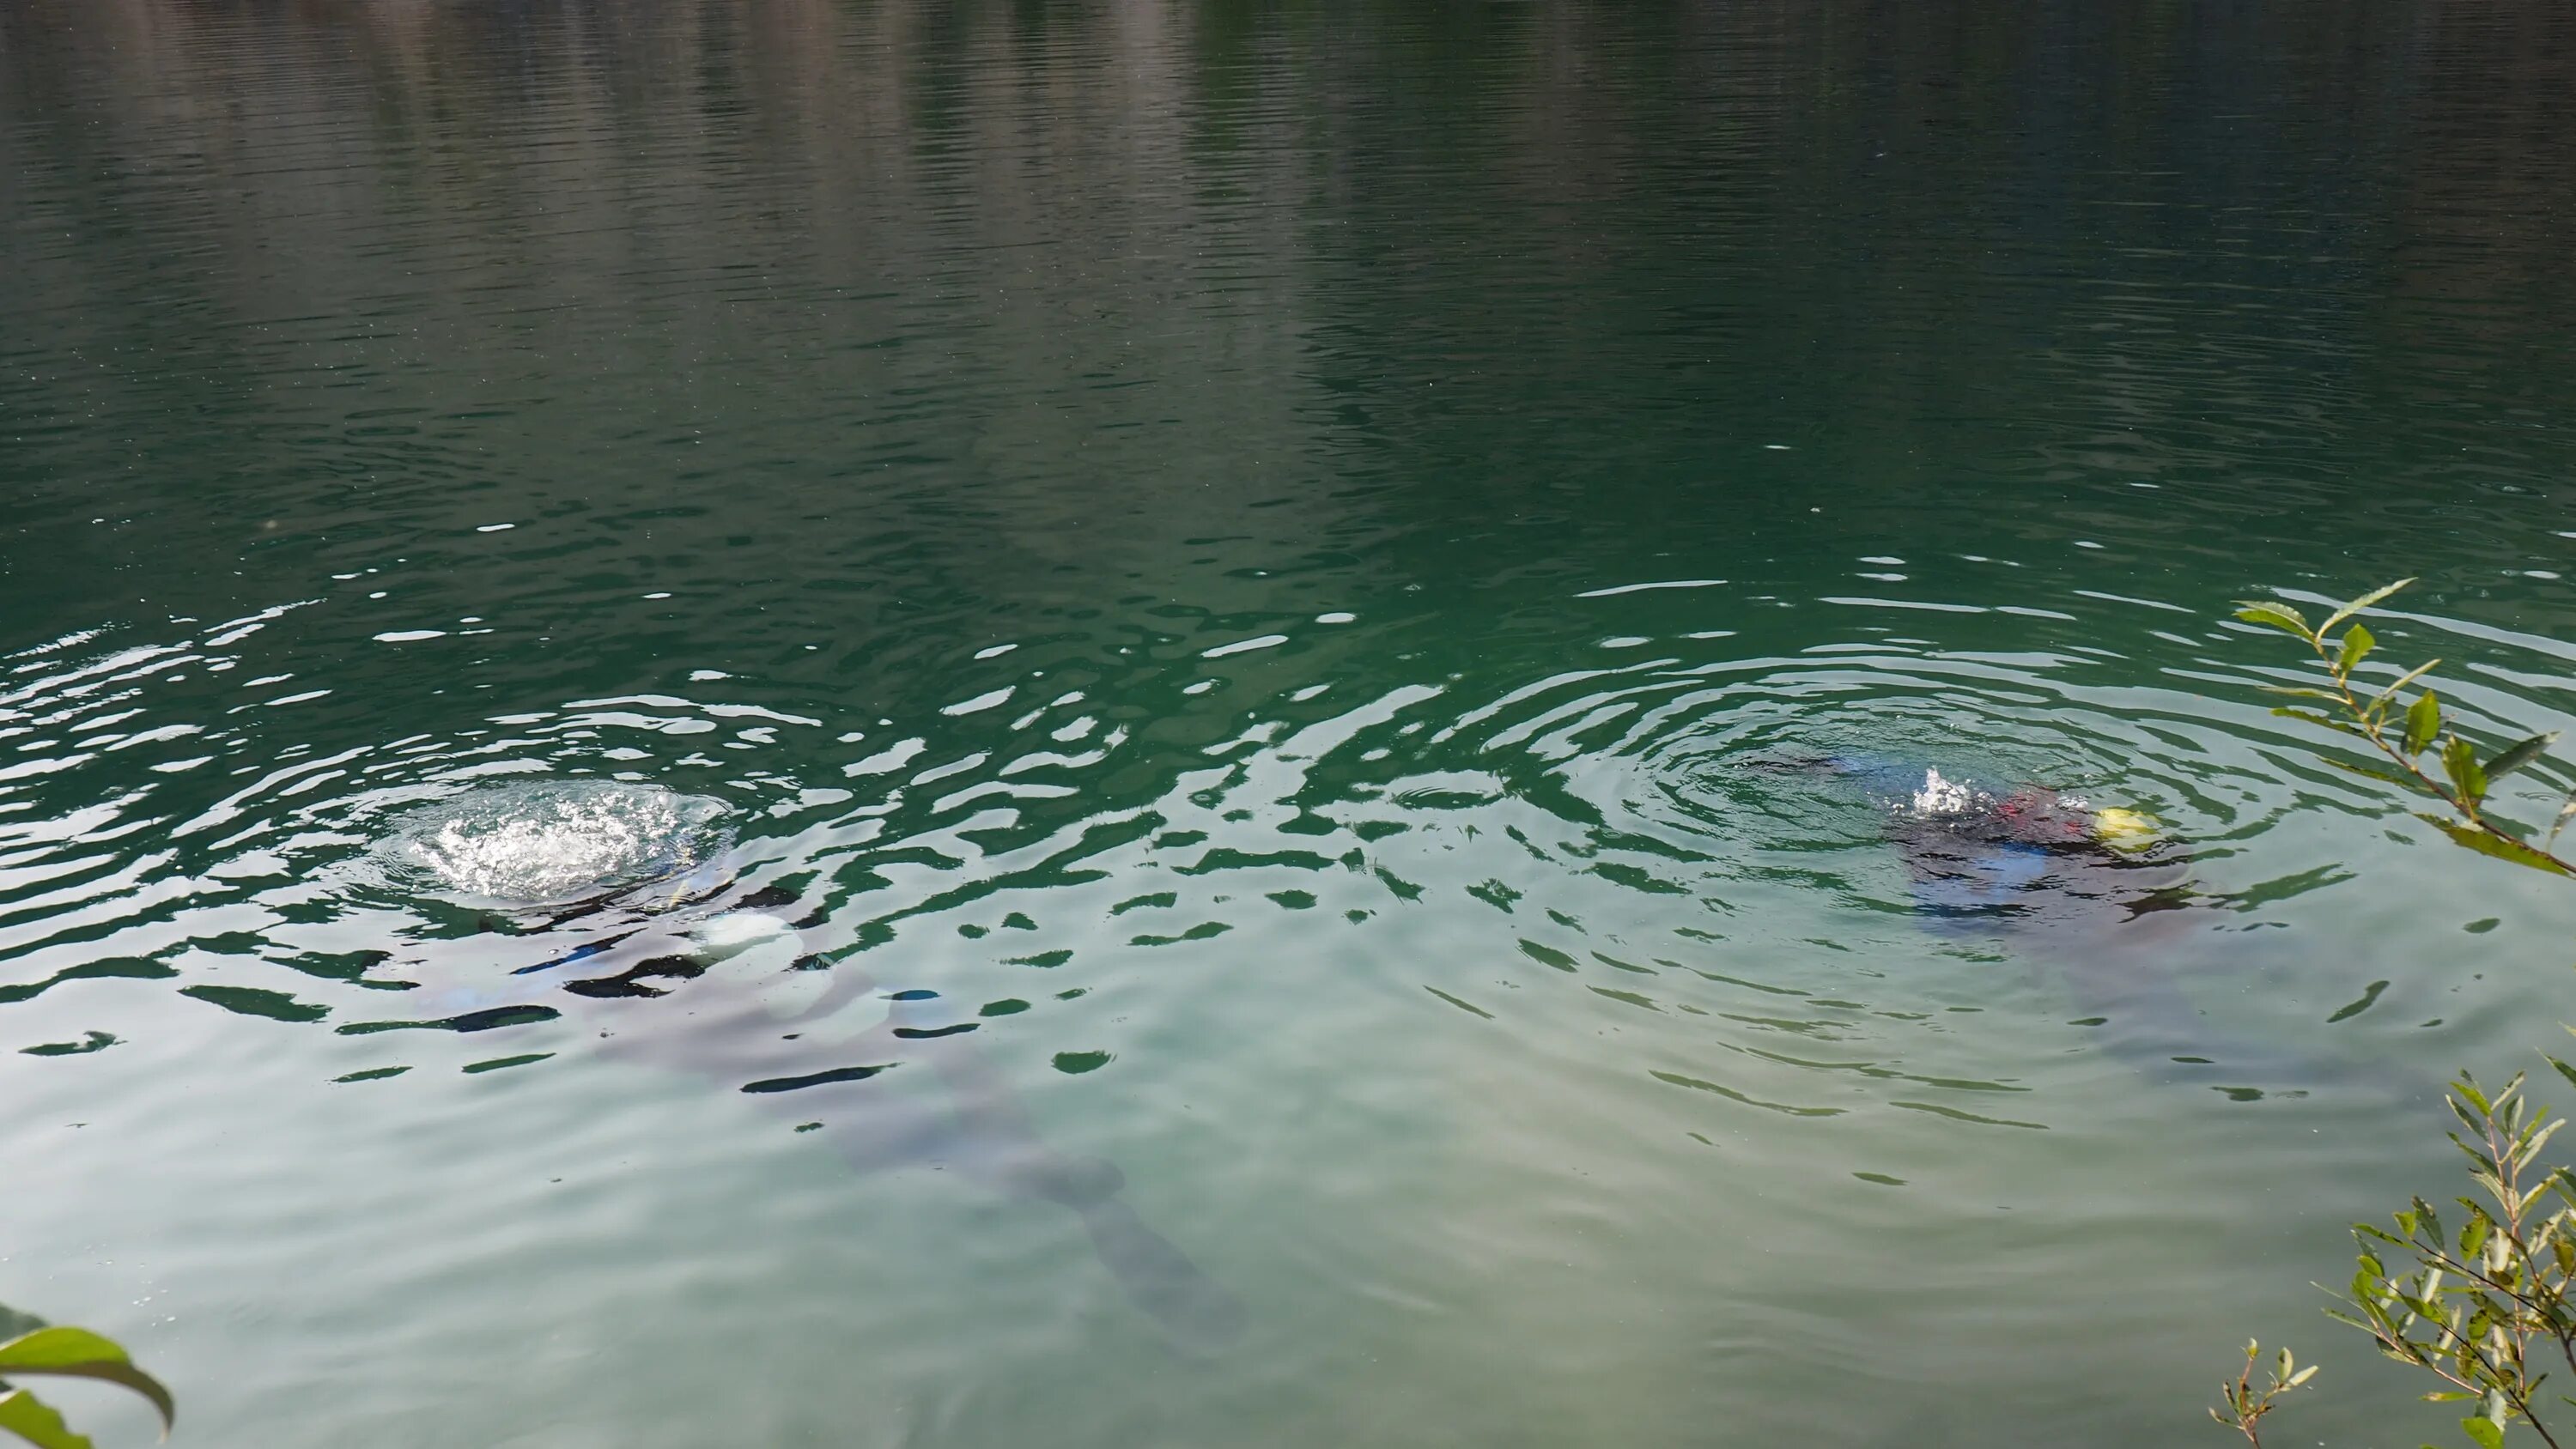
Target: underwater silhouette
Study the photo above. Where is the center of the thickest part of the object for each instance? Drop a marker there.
(706, 975)
(2102, 894)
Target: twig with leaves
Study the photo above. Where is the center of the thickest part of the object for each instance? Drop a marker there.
(2248, 1402)
(2485, 1310)
(2402, 732)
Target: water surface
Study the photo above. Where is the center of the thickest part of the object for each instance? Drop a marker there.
(1233, 557)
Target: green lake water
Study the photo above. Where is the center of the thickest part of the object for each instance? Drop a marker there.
(1235, 557)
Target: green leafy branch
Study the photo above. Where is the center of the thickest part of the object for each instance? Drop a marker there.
(2403, 732)
(2486, 1310)
(67, 1353)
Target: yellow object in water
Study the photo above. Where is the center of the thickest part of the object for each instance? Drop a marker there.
(2126, 829)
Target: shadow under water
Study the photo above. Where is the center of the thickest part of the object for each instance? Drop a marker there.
(710, 977)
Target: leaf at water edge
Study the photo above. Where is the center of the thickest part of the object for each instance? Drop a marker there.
(2423, 721)
(2518, 755)
(31, 1419)
(2460, 762)
(79, 1353)
(2502, 847)
(2364, 602)
(2278, 616)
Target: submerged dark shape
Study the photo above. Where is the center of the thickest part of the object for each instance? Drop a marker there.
(2025, 859)
(2097, 891)
(746, 988)
(978, 1128)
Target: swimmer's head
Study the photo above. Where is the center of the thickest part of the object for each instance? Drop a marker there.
(2126, 830)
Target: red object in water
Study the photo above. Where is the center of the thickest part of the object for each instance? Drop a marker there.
(2040, 815)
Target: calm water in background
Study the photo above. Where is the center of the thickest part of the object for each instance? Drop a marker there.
(1241, 547)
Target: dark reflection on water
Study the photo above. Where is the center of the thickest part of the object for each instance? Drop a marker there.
(1224, 563)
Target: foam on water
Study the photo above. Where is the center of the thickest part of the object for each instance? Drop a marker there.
(1942, 797)
(552, 840)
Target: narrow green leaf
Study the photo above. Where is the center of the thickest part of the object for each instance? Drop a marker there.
(2314, 718)
(2357, 644)
(2460, 762)
(2515, 756)
(2502, 847)
(2301, 1377)
(2423, 722)
(2564, 1070)
(2447, 1396)
(2357, 605)
(2488, 1433)
(2278, 616)
(2528, 1149)
(31, 1419)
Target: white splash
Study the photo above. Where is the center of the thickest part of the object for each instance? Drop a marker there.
(1942, 797)
(553, 840)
